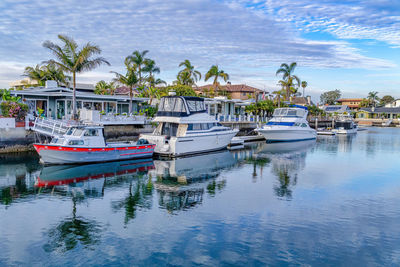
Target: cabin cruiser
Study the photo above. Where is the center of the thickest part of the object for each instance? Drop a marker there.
(184, 127)
(345, 125)
(288, 124)
(81, 144)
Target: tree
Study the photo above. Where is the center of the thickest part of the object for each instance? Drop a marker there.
(36, 73)
(139, 63)
(182, 90)
(129, 79)
(216, 73)
(71, 59)
(288, 76)
(373, 97)
(184, 78)
(104, 88)
(365, 103)
(330, 97)
(193, 74)
(386, 100)
(42, 73)
(304, 85)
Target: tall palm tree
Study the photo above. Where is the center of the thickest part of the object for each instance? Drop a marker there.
(215, 72)
(304, 85)
(189, 68)
(129, 79)
(138, 61)
(71, 59)
(288, 76)
(373, 97)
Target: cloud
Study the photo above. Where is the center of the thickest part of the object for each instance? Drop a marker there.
(237, 36)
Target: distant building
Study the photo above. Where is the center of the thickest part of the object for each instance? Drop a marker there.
(393, 104)
(302, 101)
(124, 90)
(234, 91)
(352, 103)
(27, 82)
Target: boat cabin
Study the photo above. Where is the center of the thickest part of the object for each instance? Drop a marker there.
(290, 112)
(180, 106)
(91, 136)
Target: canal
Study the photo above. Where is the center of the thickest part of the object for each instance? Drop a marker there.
(330, 202)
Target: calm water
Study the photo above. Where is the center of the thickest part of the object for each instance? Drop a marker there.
(330, 202)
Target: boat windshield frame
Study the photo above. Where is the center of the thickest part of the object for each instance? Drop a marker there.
(290, 112)
(180, 106)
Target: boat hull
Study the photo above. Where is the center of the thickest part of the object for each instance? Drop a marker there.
(345, 131)
(285, 135)
(55, 154)
(187, 145)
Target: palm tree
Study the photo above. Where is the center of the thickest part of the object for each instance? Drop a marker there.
(304, 85)
(129, 79)
(215, 72)
(195, 75)
(150, 67)
(184, 78)
(73, 60)
(36, 73)
(138, 61)
(288, 76)
(373, 97)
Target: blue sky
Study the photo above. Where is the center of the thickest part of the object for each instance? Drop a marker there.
(348, 45)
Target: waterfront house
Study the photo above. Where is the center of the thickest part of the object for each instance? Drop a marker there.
(378, 113)
(56, 102)
(393, 104)
(352, 103)
(232, 91)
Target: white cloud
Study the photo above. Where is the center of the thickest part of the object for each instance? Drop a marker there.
(241, 39)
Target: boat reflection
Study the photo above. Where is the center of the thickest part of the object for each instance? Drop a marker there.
(182, 182)
(90, 179)
(287, 160)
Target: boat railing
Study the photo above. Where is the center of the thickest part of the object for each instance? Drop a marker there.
(241, 118)
(50, 127)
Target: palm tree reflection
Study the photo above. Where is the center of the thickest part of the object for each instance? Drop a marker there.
(139, 196)
(73, 231)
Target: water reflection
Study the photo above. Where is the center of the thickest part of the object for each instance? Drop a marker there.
(17, 175)
(287, 160)
(73, 231)
(181, 182)
(88, 180)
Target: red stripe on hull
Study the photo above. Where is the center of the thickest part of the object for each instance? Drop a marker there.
(40, 147)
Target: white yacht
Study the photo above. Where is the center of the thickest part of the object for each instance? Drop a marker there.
(184, 127)
(345, 125)
(288, 124)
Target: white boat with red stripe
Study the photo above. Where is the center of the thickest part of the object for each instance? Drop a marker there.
(83, 144)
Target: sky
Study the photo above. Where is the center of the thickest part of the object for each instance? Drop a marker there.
(350, 45)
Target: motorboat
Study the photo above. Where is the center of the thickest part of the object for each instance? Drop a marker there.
(83, 144)
(345, 125)
(184, 128)
(288, 124)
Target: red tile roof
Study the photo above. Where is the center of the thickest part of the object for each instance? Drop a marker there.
(231, 88)
(124, 90)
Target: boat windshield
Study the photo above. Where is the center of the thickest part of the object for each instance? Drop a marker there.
(289, 112)
(172, 104)
(177, 106)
